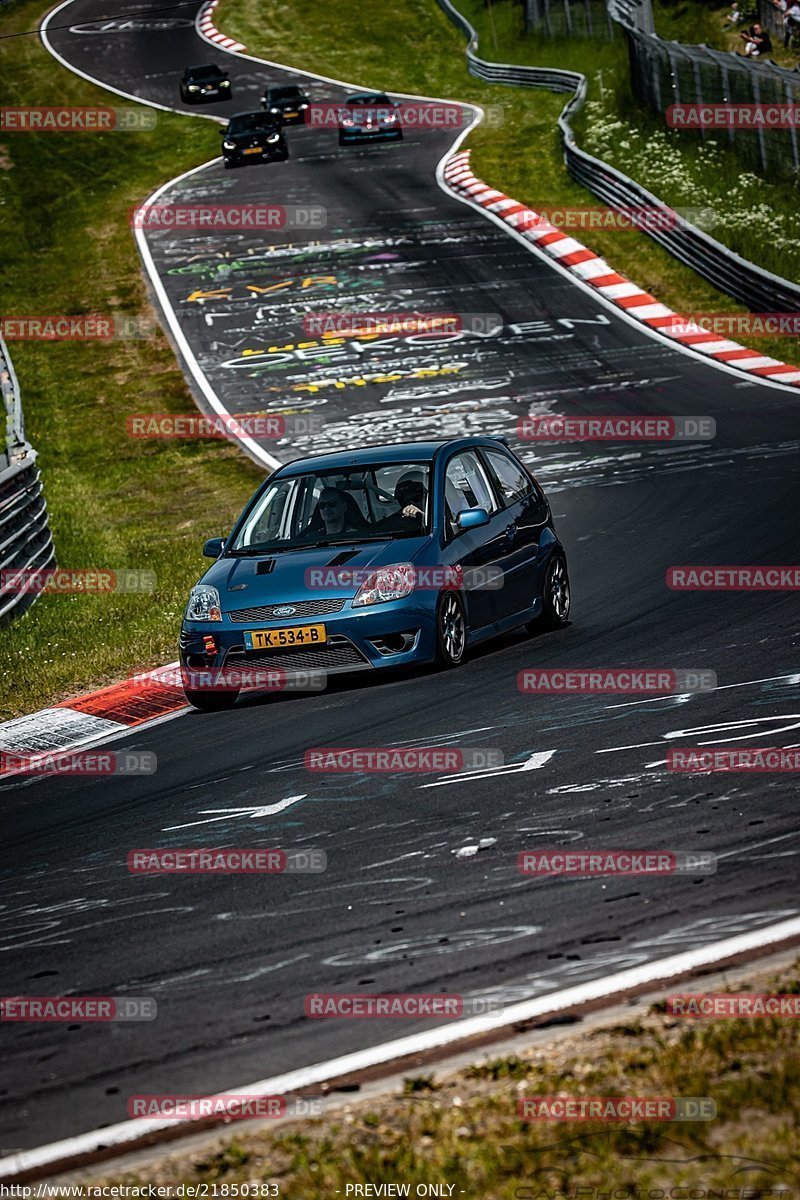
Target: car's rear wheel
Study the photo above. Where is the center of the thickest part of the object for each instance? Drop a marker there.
(211, 701)
(555, 595)
(451, 630)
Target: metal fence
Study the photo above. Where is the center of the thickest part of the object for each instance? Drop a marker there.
(570, 19)
(666, 73)
(25, 541)
(759, 290)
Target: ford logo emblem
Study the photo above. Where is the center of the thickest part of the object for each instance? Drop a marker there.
(284, 610)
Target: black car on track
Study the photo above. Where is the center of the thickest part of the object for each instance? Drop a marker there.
(253, 137)
(206, 82)
(369, 117)
(286, 102)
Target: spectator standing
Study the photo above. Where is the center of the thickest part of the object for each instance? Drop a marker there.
(791, 22)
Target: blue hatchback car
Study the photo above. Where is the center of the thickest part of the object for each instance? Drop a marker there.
(366, 559)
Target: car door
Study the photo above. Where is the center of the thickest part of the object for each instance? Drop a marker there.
(525, 509)
(484, 553)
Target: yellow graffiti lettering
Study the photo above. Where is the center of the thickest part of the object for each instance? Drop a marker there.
(273, 287)
(221, 294)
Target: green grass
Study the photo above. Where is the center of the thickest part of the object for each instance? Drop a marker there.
(522, 157)
(464, 1129)
(65, 247)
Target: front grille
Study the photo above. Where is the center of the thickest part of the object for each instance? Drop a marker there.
(302, 608)
(338, 652)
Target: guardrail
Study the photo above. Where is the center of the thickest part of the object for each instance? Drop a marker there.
(759, 290)
(25, 540)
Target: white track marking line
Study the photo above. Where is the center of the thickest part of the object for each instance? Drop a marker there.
(536, 760)
(251, 810)
(387, 1052)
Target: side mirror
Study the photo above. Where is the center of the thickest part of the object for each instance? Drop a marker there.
(213, 547)
(222, 132)
(472, 518)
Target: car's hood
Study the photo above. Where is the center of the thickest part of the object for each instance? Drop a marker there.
(289, 579)
(251, 137)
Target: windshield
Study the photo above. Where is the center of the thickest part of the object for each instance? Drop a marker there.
(250, 121)
(210, 72)
(284, 93)
(373, 503)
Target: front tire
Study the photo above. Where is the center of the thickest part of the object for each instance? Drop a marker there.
(555, 596)
(451, 630)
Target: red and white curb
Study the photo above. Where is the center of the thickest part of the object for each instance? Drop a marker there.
(205, 23)
(593, 270)
(98, 715)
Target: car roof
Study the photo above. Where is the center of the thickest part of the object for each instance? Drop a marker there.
(399, 452)
(252, 112)
(204, 67)
(283, 87)
(358, 97)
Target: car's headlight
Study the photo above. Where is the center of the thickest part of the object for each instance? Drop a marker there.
(194, 87)
(303, 105)
(388, 583)
(203, 604)
(348, 122)
(274, 108)
(274, 137)
(225, 83)
(229, 145)
(388, 118)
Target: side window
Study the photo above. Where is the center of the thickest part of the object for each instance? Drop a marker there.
(512, 482)
(466, 486)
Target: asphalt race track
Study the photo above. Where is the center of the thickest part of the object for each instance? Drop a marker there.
(230, 959)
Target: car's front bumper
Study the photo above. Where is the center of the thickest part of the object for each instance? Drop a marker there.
(220, 94)
(265, 154)
(400, 633)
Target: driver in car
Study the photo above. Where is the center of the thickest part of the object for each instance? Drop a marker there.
(338, 511)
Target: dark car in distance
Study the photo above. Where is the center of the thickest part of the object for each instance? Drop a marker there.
(286, 102)
(206, 82)
(253, 137)
(369, 117)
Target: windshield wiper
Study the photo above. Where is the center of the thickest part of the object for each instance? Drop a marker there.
(353, 541)
(260, 550)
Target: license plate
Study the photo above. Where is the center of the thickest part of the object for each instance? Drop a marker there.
(211, 91)
(254, 150)
(290, 114)
(290, 635)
